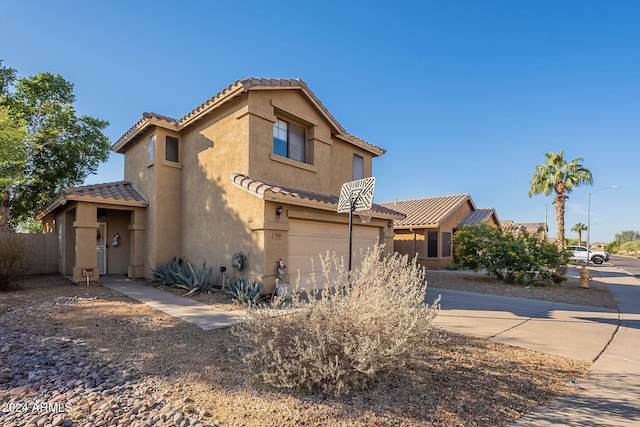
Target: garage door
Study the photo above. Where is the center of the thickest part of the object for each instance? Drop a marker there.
(308, 239)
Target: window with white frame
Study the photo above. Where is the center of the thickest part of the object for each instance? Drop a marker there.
(358, 167)
(290, 140)
(151, 148)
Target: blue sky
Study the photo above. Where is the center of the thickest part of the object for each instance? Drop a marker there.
(465, 96)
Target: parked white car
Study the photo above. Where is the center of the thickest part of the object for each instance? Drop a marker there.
(579, 254)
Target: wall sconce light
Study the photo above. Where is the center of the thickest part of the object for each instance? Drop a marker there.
(390, 225)
(279, 210)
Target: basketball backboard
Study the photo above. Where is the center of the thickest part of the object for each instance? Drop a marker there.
(359, 192)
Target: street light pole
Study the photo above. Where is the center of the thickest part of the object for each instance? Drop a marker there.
(589, 217)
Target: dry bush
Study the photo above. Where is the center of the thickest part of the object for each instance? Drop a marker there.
(15, 259)
(347, 335)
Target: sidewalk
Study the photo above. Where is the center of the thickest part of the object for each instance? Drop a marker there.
(611, 395)
(567, 330)
(201, 315)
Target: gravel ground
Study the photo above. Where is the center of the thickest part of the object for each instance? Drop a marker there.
(60, 380)
(89, 356)
(569, 291)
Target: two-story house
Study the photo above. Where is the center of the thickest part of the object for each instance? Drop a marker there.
(256, 169)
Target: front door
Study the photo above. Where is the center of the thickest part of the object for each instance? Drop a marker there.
(101, 247)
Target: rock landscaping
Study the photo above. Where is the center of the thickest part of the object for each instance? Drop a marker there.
(62, 381)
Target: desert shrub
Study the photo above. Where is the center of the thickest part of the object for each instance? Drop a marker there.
(520, 259)
(353, 332)
(244, 291)
(180, 273)
(453, 266)
(629, 248)
(15, 259)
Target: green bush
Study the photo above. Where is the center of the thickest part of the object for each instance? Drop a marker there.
(353, 332)
(15, 259)
(245, 292)
(521, 259)
(629, 248)
(180, 273)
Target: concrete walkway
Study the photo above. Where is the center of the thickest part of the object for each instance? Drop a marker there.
(567, 330)
(611, 395)
(202, 315)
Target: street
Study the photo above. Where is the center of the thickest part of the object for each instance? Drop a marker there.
(629, 264)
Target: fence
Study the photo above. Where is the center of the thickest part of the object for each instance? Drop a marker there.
(44, 251)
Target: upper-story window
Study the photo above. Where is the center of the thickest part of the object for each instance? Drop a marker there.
(290, 140)
(358, 167)
(151, 146)
(171, 149)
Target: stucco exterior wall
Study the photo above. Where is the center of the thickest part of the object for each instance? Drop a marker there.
(342, 164)
(68, 259)
(265, 108)
(415, 242)
(85, 226)
(142, 174)
(216, 214)
(329, 159)
(167, 220)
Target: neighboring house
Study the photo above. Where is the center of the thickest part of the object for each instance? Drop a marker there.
(598, 246)
(257, 169)
(532, 228)
(430, 223)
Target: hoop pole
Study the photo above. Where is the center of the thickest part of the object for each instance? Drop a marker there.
(350, 234)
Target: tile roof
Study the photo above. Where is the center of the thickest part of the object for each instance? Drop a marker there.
(121, 193)
(428, 211)
(533, 228)
(509, 226)
(301, 197)
(478, 216)
(231, 91)
(120, 190)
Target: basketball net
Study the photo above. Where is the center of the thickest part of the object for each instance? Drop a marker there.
(365, 216)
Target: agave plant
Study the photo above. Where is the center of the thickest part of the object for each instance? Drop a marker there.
(245, 292)
(180, 273)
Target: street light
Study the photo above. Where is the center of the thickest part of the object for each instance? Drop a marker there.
(589, 217)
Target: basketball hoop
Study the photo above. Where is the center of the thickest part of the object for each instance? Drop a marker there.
(356, 196)
(365, 216)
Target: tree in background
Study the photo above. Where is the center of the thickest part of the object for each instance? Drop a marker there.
(626, 243)
(579, 228)
(627, 236)
(560, 177)
(13, 158)
(48, 146)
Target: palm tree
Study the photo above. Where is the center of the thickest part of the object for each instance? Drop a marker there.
(579, 228)
(559, 176)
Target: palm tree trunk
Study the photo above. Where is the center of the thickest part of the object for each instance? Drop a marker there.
(559, 202)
